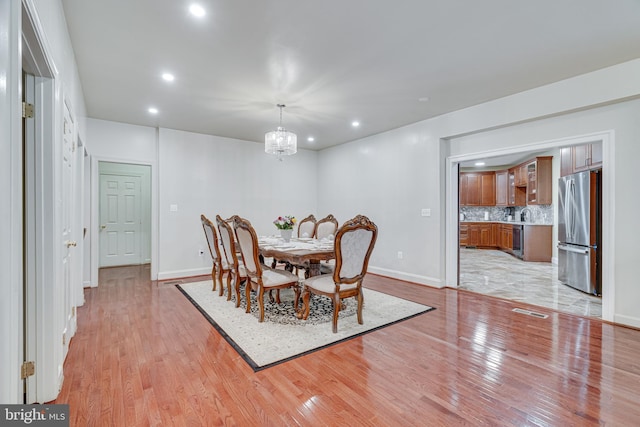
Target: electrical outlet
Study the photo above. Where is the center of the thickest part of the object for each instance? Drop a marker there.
(425, 212)
(399, 254)
(201, 252)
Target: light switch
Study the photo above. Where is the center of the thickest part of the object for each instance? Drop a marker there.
(426, 212)
(173, 208)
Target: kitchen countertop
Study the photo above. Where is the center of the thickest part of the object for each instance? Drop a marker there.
(467, 221)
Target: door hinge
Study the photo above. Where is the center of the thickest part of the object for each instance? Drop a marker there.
(27, 369)
(27, 110)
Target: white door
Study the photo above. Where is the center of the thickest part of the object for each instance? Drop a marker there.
(67, 229)
(120, 220)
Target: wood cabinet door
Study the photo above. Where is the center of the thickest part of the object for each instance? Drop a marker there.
(502, 188)
(464, 229)
(566, 161)
(488, 189)
(463, 190)
(581, 157)
(473, 235)
(485, 237)
(596, 155)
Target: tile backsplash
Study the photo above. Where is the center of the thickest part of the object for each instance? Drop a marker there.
(542, 214)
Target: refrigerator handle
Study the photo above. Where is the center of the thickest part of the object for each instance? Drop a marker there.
(583, 251)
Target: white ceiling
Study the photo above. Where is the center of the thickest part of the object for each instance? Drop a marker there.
(332, 61)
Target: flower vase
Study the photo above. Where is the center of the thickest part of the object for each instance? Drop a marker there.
(286, 234)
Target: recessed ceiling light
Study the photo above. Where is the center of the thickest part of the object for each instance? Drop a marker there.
(355, 123)
(197, 10)
(479, 163)
(423, 99)
(168, 77)
(153, 110)
(311, 139)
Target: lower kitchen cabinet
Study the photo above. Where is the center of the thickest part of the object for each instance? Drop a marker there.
(537, 243)
(536, 239)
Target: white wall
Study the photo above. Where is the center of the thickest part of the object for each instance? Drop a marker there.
(414, 158)
(203, 174)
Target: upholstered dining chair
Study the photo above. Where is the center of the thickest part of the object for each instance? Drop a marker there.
(220, 266)
(326, 227)
(354, 243)
(307, 226)
(260, 277)
(237, 273)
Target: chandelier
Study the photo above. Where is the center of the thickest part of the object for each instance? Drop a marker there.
(280, 142)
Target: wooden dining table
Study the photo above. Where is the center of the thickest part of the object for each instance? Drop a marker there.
(301, 253)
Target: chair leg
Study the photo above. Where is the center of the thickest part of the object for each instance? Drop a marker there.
(336, 311)
(296, 289)
(360, 305)
(304, 313)
(229, 286)
(237, 283)
(213, 276)
(261, 303)
(247, 294)
(220, 273)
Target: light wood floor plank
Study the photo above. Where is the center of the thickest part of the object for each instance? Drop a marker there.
(144, 356)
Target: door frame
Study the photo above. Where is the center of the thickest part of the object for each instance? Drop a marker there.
(607, 138)
(40, 216)
(93, 227)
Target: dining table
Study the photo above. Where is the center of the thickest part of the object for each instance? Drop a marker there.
(306, 253)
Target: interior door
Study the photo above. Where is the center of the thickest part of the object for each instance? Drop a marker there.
(67, 229)
(120, 220)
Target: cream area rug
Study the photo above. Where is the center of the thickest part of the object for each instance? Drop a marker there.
(282, 336)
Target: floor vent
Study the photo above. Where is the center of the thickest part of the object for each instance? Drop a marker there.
(530, 313)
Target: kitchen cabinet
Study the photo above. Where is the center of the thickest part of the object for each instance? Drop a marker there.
(539, 185)
(464, 230)
(520, 172)
(477, 189)
(586, 157)
(506, 237)
(537, 243)
(580, 158)
(502, 188)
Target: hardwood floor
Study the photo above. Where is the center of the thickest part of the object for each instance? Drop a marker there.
(143, 355)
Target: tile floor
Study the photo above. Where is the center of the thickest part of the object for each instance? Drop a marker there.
(495, 273)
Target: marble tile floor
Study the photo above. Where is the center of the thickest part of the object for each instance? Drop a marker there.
(495, 273)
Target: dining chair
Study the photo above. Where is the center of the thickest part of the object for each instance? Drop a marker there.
(220, 266)
(260, 277)
(307, 226)
(325, 227)
(237, 273)
(353, 243)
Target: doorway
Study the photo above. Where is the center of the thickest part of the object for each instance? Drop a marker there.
(124, 214)
(453, 220)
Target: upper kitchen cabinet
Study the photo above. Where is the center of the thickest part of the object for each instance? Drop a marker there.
(502, 188)
(579, 158)
(477, 189)
(539, 185)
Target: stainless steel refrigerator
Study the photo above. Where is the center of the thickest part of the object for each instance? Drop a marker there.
(580, 231)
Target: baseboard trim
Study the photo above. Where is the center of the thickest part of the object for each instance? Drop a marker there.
(178, 274)
(620, 319)
(408, 277)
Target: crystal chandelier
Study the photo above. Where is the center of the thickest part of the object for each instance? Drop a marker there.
(280, 142)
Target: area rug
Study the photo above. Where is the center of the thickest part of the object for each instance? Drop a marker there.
(282, 337)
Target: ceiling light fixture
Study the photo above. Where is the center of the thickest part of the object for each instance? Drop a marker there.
(280, 142)
(153, 110)
(168, 77)
(197, 10)
(355, 123)
(311, 139)
(480, 163)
